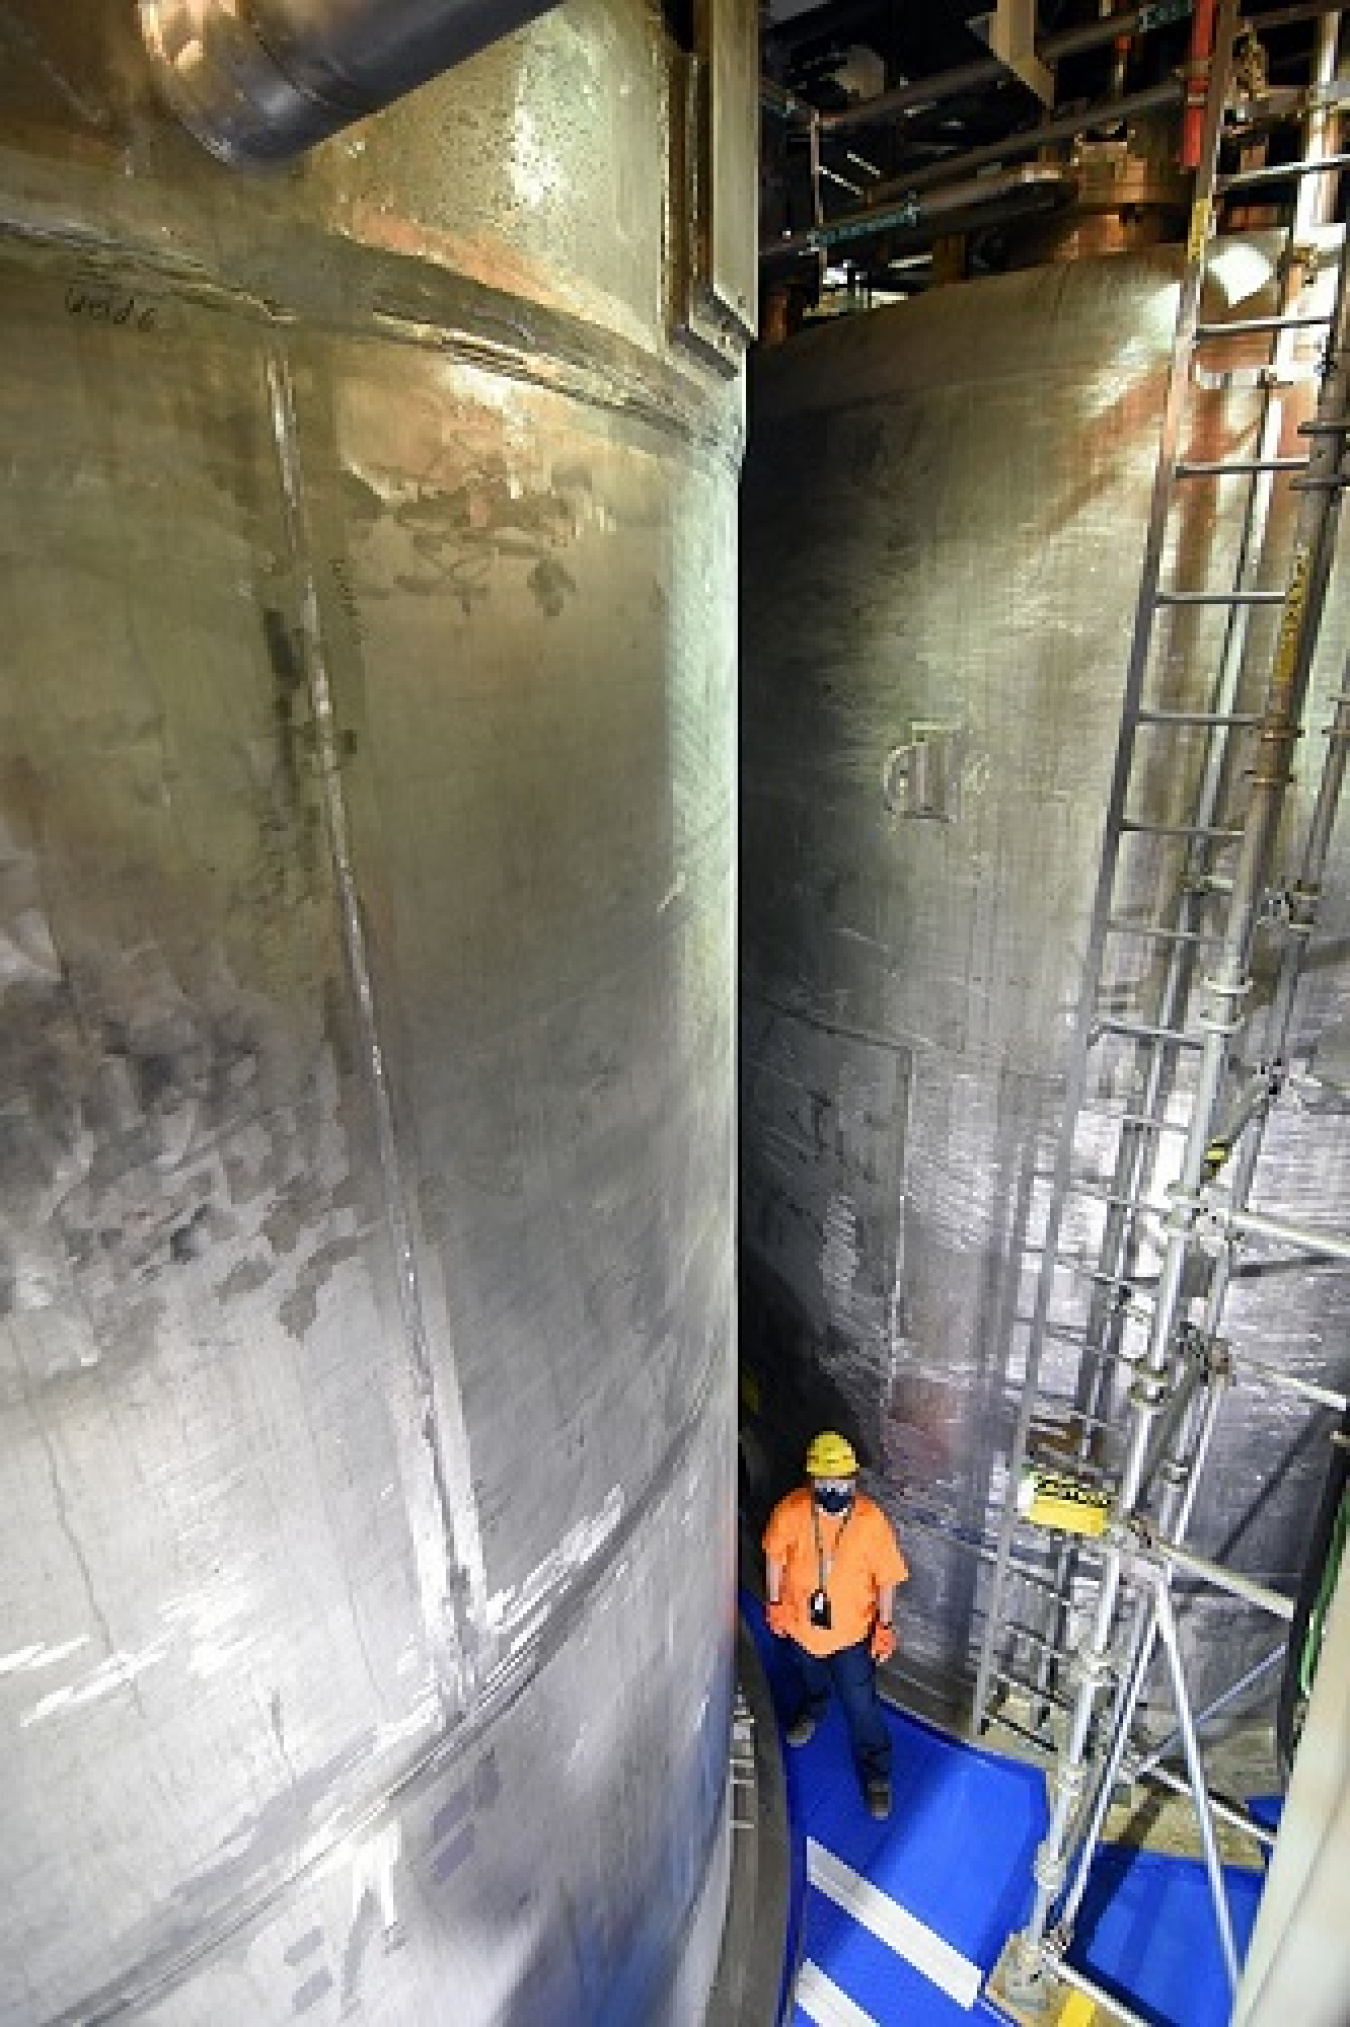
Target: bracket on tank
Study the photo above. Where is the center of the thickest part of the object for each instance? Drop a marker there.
(923, 778)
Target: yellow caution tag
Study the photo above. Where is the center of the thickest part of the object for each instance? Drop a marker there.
(1199, 232)
(1291, 619)
(1048, 1499)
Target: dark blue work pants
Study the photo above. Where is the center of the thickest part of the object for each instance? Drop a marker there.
(853, 1676)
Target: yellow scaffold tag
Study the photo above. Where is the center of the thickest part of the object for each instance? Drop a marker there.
(1047, 1499)
(1291, 619)
(1199, 233)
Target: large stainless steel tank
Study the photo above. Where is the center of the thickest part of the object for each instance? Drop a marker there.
(366, 852)
(945, 506)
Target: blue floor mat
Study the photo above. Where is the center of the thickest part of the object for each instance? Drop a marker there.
(955, 1854)
(955, 1857)
(1146, 1932)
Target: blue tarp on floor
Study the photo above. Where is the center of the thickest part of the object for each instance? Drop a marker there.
(955, 1856)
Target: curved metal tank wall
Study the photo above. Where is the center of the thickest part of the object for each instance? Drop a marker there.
(944, 510)
(366, 1209)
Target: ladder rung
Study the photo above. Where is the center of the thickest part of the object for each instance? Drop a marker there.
(1159, 935)
(1026, 1636)
(1140, 1031)
(1146, 1124)
(1032, 1580)
(1091, 1347)
(1044, 1450)
(1149, 715)
(1047, 1455)
(1095, 1273)
(1040, 1740)
(1030, 1690)
(1219, 598)
(1240, 178)
(1098, 1193)
(1061, 1418)
(1246, 327)
(1257, 377)
(1068, 1334)
(1222, 468)
(1139, 825)
(1133, 1300)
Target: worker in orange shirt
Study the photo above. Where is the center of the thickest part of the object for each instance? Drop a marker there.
(833, 1566)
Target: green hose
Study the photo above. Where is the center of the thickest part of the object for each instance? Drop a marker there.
(1312, 1643)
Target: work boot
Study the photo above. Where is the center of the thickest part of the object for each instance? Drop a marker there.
(879, 1799)
(801, 1729)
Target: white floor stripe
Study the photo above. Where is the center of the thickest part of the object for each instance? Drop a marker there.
(822, 2001)
(901, 1931)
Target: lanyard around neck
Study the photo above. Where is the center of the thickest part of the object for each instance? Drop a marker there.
(823, 1567)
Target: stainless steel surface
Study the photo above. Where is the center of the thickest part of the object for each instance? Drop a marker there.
(366, 1412)
(713, 218)
(944, 510)
(729, 50)
(263, 83)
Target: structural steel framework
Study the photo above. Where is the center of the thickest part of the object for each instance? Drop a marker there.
(1127, 1367)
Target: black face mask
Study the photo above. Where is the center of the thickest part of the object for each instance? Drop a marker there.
(831, 1500)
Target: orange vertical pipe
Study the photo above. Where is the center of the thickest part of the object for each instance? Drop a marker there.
(1197, 82)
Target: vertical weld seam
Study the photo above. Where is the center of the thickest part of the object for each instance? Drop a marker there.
(458, 1519)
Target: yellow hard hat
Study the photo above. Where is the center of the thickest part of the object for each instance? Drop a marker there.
(831, 1456)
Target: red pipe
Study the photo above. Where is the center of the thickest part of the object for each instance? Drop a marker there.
(1197, 82)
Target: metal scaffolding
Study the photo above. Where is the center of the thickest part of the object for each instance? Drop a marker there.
(1125, 1350)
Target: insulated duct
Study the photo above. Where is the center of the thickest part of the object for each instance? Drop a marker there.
(262, 83)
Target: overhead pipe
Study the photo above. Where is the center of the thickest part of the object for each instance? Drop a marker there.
(987, 70)
(922, 93)
(1035, 187)
(260, 84)
(1106, 113)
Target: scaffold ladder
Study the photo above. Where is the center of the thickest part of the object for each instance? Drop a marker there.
(1124, 1369)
